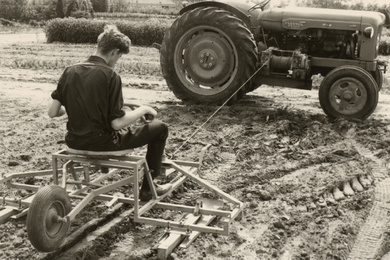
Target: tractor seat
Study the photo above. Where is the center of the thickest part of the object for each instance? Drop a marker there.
(99, 153)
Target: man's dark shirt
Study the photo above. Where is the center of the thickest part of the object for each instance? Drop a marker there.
(91, 93)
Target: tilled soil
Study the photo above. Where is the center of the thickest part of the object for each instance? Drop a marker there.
(312, 188)
(284, 163)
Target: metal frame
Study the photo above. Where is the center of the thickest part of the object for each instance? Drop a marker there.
(88, 188)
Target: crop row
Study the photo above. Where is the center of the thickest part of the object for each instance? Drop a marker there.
(140, 61)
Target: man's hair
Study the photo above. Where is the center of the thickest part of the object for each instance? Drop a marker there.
(111, 38)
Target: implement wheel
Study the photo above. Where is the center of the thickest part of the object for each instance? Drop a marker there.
(348, 92)
(45, 231)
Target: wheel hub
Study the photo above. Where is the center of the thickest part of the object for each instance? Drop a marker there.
(53, 226)
(208, 59)
(347, 96)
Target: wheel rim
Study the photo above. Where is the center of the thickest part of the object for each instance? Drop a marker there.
(205, 60)
(348, 96)
(53, 227)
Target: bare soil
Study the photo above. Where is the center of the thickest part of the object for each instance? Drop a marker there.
(274, 150)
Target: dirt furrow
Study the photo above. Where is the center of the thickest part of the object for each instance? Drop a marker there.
(371, 240)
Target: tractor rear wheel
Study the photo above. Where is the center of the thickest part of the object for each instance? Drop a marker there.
(207, 55)
(348, 92)
(45, 231)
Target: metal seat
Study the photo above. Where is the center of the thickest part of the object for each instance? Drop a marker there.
(99, 153)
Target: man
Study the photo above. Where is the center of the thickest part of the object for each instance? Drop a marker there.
(90, 93)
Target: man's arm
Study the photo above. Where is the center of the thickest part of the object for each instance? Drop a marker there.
(55, 109)
(131, 116)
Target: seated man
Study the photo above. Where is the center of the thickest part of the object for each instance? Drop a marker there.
(91, 95)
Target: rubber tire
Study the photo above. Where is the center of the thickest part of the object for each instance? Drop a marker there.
(222, 23)
(378, 76)
(343, 72)
(47, 199)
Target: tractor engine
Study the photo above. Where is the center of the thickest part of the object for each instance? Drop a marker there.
(337, 44)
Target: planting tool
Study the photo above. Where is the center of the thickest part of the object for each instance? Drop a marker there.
(75, 182)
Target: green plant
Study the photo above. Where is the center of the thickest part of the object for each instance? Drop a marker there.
(384, 47)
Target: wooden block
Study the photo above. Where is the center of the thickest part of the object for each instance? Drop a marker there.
(20, 214)
(6, 213)
(174, 238)
(205, 220)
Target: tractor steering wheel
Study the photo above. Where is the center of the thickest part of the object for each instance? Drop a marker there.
(260, 5)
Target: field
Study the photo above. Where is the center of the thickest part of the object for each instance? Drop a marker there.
(274, 150)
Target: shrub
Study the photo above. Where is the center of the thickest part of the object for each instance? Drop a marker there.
(12, 9)
(73, 30)
(80, 14)
(384, 48)
(101, 5)
(86, 31)
(6, 22)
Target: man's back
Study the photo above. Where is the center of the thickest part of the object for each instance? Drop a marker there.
(92, 95)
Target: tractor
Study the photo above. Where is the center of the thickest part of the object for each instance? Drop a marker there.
(216, 52)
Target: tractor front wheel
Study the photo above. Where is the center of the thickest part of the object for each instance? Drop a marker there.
(348, 92)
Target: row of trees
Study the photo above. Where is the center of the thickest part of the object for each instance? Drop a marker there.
(335, 4)
(26, 10)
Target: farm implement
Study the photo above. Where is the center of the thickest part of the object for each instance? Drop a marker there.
(78, 177)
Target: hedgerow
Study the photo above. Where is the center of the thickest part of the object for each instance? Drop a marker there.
(86, 31)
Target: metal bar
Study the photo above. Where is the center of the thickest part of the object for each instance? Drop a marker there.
(125, 163)
(15, 203)
(101, 178)
(181, 227)
(23, 186)
(65, 173)
(85, 183)
(76, 210)
(153, 202)
(206, 184)
(74, 175)
(237, 211)
(180, 162)
(55, 170)
(190, 209)
(136, 189)
(10, 176)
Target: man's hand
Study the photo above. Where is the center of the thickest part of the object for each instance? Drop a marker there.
(150, 114)
(131, 116)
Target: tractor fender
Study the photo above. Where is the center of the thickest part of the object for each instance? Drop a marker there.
(241, 10)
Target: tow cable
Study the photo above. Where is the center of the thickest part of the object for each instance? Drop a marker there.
(171, 156)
